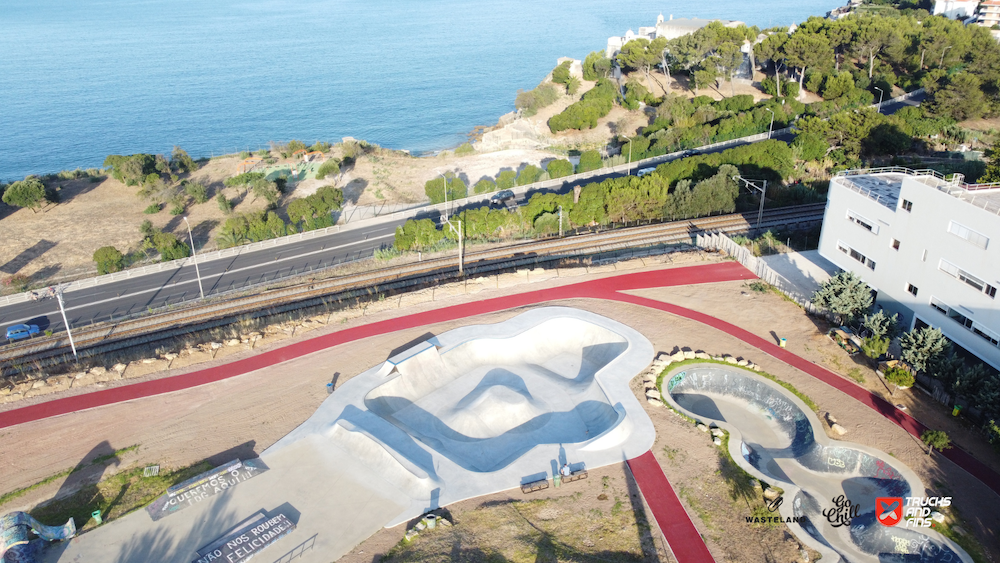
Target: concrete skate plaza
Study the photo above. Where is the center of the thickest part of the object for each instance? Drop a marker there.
(777, 438)
(473, 411)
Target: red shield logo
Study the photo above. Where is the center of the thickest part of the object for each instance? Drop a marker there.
(889, 510)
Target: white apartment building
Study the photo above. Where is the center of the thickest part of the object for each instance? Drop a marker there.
(929, 247)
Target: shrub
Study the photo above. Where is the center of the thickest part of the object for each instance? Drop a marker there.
(506, 179)
(465, 149)
(935, 439)
(875, 347)
(153, 208)
(573, 86)
(529, 175)
(108, 260)
(132, 169)
(596, 66)
(417, 235)
(329, 166)
(589, 160)
(533, 100)
(198, 192)
(181, 161)
(170, 247)
(314, 210)
(225, 205)
(560, 74)
(559, 168)
(435, 189)
(17, 282)
(321, 146)
(595, 104)
(899, 376)
(484, 186)
(30, 193)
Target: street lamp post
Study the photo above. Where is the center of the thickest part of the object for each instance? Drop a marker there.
(560, 222)
(771, 126)
(628, 171)
(62, 309)
(444, 182)
(881, 94)
(194, 255)
(762, 189)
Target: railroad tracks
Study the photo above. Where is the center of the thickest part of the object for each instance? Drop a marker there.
(221, 310)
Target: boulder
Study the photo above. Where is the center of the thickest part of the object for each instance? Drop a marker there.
(233, 342)
(702, 356)
(937, 517)
(662, 356)
(654, 402)
(718, 358)
(118, 367)
(652, 394)
(718, 432)
(717, 441)
(702, 427)
(771, 494)
(840, 430)
(689, 355)
(755, 367)
(678, 357)
(216, 345)
(170, 357)
(743, 363)
(730, 360)
(831, 419)
(98, 371)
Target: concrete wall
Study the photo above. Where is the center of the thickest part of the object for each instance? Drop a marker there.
(924, 241)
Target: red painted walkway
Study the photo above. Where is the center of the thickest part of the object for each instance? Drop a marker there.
(684, 540)
(607, 288)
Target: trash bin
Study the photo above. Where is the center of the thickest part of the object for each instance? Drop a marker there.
(96, 515)
(956, 410)
(329, 388)
(557, 480)
(783, 342)
(431, 521)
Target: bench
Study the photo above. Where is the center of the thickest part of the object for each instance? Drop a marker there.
(535, 486)
(575, 476)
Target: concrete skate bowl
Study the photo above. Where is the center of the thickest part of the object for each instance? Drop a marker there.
(777, 438)
(486, 401)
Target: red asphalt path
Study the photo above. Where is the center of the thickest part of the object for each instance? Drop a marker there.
(681, 535)
(607, 288)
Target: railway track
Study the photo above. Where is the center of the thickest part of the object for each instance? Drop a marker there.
(222, 309)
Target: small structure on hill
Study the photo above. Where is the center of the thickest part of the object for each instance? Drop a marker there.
(671, 29)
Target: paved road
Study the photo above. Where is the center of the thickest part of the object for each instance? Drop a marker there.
(117, 299)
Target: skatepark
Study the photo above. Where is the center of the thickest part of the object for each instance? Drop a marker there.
(775, 437)
(469, 412)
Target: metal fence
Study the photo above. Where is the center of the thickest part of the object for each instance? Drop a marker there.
(719, 241)
(298, 550)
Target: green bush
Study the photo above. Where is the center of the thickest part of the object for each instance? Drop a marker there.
(329, 166)
(170, 247)
(153, 208)
(435, 189)
(589, 160)
(533, 100)
(506, 179)
(529, 175)
(181, 161)
(108, 260)
(30, 193)
(484, 186)
(596, 66)
(595, 104)
(197, 192)
(225, 205)
(560, 74)
(132, 169)
(465, 149)
(898, 376)
(559, 168)
(314, 211)
(417, 235)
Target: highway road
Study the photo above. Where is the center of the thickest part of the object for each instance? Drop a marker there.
(128, 296)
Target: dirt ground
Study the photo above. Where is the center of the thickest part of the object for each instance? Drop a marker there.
(246, 414)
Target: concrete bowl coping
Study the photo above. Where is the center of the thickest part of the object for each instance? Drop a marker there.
(810, 467)
(485, 408)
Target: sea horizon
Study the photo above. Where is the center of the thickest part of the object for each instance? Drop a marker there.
(83, 81)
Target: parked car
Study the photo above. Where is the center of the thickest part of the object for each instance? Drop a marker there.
(502, 195)
(20, 332)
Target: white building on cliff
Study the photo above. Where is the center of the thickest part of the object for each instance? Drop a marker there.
(671, 29)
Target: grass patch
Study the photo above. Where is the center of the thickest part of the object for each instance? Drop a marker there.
(856, 375)
(115, 496)
(672, 367)
(966, 540)
(7, 497)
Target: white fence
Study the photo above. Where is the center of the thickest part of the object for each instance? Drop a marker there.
(719, 241)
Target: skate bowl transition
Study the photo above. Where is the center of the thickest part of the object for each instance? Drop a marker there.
(473, 411)
(485, 408)
(775, 437)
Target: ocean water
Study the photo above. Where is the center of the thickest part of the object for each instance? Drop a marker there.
(81, 79)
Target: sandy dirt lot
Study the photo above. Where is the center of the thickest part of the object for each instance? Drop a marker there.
(250, 412)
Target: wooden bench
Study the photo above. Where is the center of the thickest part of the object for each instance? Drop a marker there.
(575, 476)
(535, 486)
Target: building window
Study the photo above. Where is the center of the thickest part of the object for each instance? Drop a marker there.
(941, 307)
(907, 205)
(963, 232)
(855, 254)
(912, 289)
(895, 244)
(971, 280)
(862, 221)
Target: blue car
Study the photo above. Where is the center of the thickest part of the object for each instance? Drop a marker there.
(20, 332)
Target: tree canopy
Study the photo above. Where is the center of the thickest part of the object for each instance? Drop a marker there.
(844, 294)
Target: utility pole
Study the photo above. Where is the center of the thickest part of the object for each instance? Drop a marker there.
(197, 272)
(560, 222)
(62, 309)
(762, 189)
(942, 55)
(628, 171)
(771, 126)
(881, 94)
(444, 182)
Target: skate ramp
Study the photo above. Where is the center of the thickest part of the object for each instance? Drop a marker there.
(777, 438)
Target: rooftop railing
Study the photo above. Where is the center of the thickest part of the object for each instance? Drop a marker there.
(953, 185)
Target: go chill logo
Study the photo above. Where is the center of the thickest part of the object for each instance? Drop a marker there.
(916, 511)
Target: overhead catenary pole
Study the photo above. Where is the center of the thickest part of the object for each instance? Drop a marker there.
(62, 309)
(560, 222)
(771, 126)
(762, 189)
(881, 94)
(194, 256)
